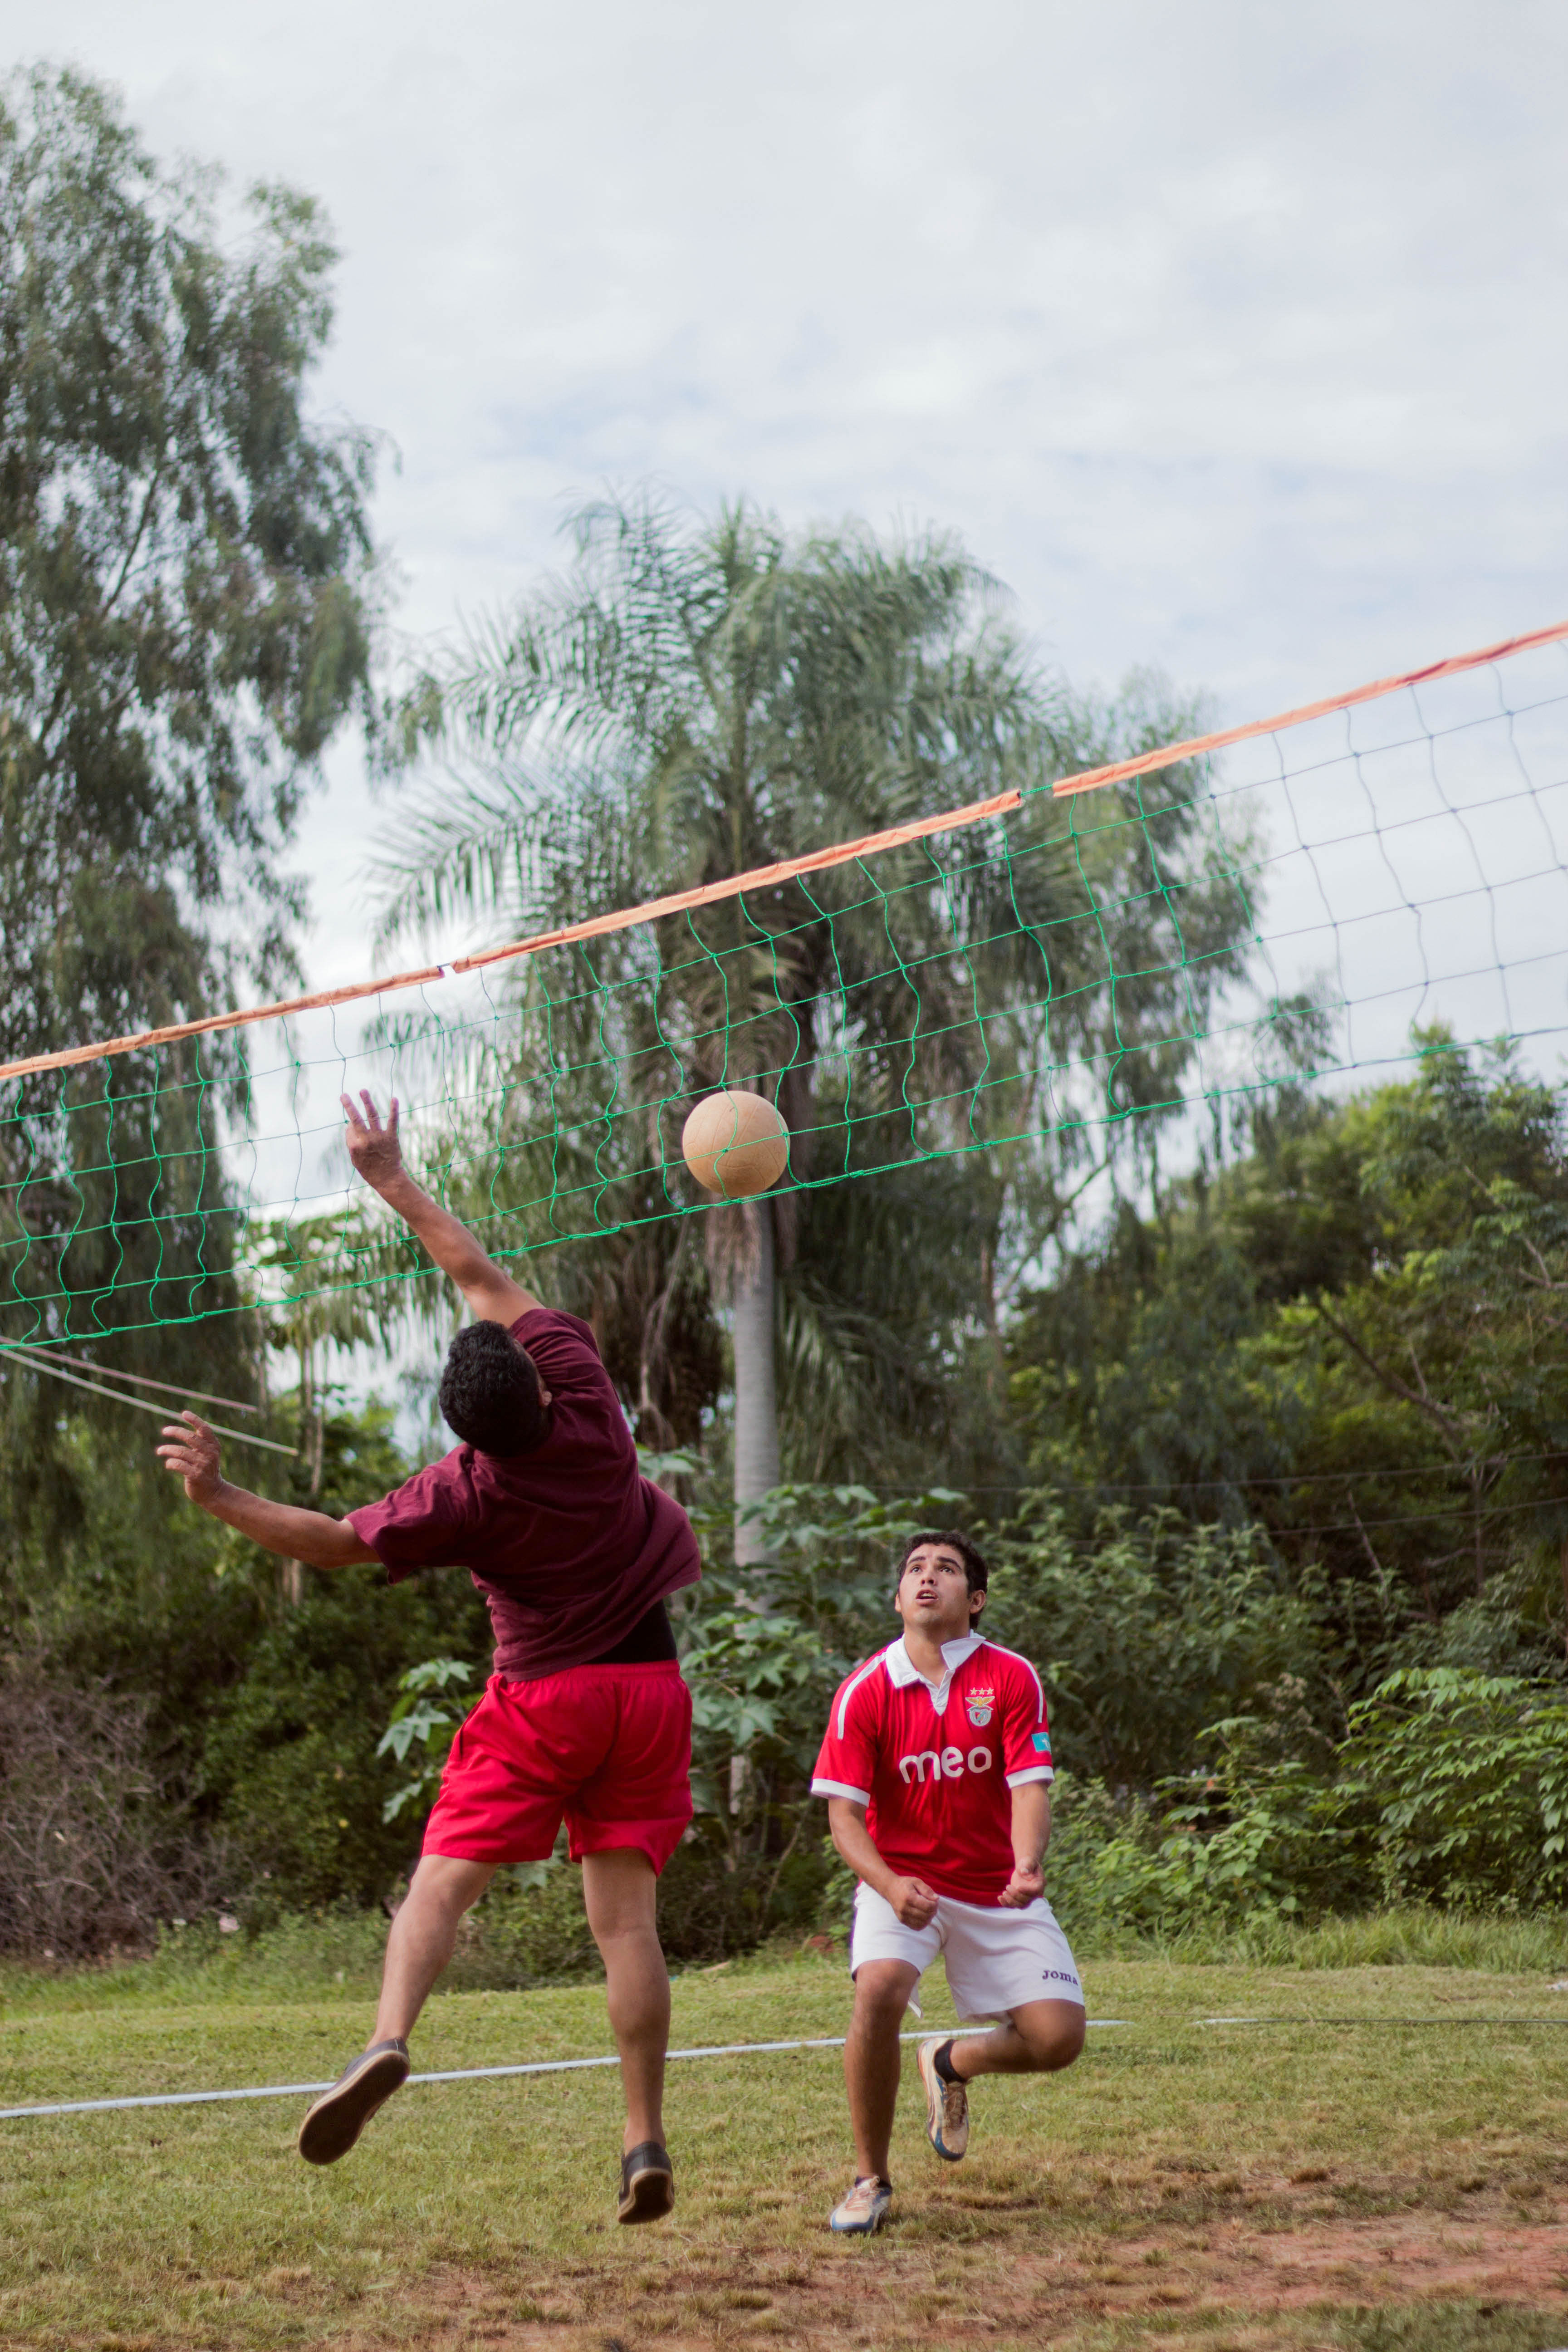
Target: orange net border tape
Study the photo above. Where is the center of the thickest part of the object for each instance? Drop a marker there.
(762, 877)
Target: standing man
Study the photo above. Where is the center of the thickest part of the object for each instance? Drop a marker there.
(586, 1717)
(937, 1771)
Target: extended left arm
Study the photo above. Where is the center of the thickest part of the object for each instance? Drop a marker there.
(375, 1151)
(1031, 1836)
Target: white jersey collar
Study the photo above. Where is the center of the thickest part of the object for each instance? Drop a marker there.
(903, 1670)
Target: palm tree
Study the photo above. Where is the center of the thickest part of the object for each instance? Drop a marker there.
(693, 700)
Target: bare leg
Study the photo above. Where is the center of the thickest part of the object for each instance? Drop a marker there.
(620, 1891)
(423, 1936)
(883, 1989)
(1039, 2037)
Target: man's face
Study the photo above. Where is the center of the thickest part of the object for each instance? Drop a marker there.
(933, 1593)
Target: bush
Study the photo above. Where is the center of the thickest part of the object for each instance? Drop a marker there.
(1451, 1789)
(1468, 1774)
(92, 1854)
(292, 1768)
(1144, 1642)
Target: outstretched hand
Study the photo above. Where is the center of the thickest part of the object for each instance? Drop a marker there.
(193, 1455)
(373, 1148)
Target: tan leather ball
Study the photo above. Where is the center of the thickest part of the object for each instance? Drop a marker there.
(735, 1144)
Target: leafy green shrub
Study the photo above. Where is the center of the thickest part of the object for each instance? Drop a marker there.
(1131, 1873)
(1469, 1775)
(1144, 1642)
(1451, 1788)
(417, 1717)
(292, 1764)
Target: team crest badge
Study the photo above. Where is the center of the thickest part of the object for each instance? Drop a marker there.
(979, 1704)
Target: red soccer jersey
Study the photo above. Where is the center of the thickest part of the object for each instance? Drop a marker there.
(934, 1769)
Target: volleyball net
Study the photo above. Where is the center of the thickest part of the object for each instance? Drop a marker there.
(1052, 977)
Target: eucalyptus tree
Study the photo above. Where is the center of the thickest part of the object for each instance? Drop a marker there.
(187, 591)
(693, 699)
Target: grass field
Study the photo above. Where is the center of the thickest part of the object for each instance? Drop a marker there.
(1383, 2169)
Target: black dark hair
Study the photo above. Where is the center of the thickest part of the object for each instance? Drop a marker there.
(490, 1392)
(976, 1573)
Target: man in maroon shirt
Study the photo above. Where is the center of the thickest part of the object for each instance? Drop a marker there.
(586, 1717)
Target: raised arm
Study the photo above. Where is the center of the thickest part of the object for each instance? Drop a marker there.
(191, 1451)
(375, 1151)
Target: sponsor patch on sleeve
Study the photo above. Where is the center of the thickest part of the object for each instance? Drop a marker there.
(1042, 1743)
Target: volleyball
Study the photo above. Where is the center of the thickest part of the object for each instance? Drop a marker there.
(735, 1144)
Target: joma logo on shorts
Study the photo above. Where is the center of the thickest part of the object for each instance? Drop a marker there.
(950, 1765)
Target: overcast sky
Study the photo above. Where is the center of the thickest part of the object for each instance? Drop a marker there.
(1232, 337)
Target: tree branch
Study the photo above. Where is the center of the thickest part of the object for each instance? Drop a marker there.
(1391, 1381)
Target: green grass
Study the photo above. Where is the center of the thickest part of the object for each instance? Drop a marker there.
(1391, 2180)
(1409, 1936)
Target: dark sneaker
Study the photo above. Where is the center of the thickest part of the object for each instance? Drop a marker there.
(331, 2126)
(862, 2213)
(647, 2184)
(947, 2104)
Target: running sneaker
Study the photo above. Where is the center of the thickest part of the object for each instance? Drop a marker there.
(648, 2183)
(862, 2213)
(331, 2126)
(947, 2104)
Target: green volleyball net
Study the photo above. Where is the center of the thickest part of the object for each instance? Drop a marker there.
(1106, 965)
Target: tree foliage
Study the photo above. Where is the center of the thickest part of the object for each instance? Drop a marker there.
(187, 591)
(694, 698)
(185, 560)
(1352, 1338)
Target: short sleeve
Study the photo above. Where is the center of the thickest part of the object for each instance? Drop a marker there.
(588, 1411)
(421, 1524)
(563, 1348)
(1025, 1734)
(847, 1763)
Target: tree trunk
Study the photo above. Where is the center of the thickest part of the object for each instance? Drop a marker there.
(291, 1575)
(756, 1395)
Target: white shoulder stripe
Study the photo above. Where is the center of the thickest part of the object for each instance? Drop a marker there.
(851, 1686)
(1020, 1661)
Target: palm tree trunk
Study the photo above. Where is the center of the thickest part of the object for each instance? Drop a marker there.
(756, 1395)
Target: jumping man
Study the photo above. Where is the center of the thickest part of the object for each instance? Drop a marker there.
(936, 1768)
(586, 1715)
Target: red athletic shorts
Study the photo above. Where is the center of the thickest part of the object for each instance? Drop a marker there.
(606, 1747)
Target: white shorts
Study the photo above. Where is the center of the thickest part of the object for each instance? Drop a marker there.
(997, 1959)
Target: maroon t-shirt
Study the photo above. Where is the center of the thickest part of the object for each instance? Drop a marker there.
(570, 1545)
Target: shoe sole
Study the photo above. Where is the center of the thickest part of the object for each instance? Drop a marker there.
(335, 2121)
(649, 2197)
(858, 2229)
(934, 2088)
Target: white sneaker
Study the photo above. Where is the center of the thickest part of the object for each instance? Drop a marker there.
(863, 2210)
(947, 2104)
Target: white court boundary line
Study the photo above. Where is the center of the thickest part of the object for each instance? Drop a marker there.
(448, 2074)
(716, 2049)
